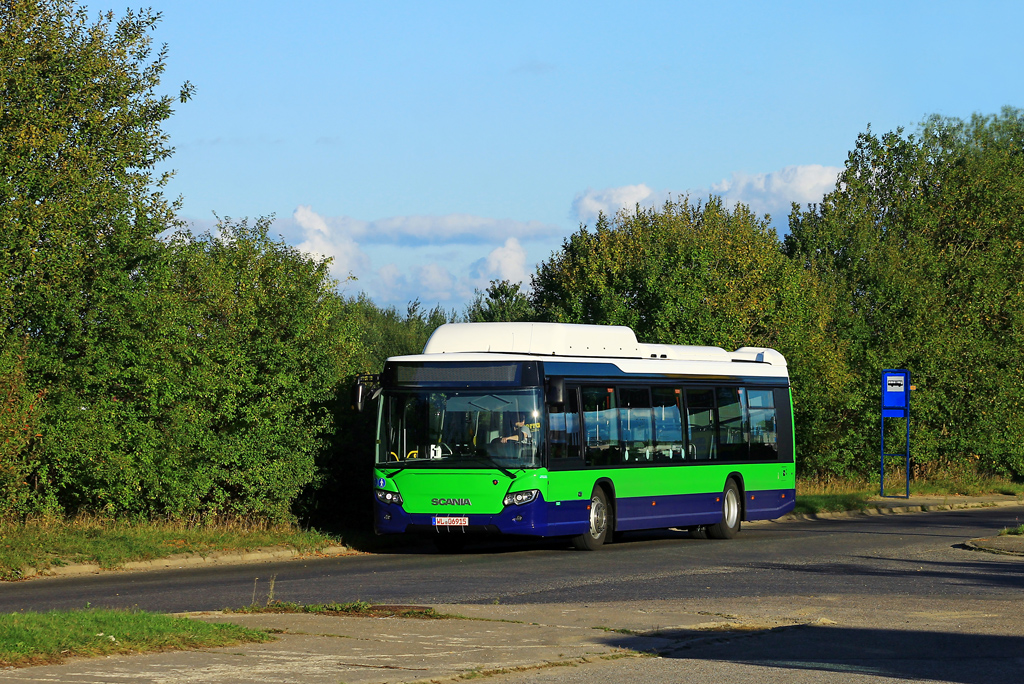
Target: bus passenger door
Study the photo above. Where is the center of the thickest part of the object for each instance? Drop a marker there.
(567, 493)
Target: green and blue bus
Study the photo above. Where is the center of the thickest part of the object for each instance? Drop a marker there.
(550, 429)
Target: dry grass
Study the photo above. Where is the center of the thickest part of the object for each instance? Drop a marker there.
(959, 477)
(43, 543)
(830, 485)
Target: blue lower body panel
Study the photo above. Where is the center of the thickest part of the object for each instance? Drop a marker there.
(769, 504)
(682, 510)
(563, 518)
(690, 510)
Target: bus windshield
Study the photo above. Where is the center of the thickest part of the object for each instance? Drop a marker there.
(465, 428)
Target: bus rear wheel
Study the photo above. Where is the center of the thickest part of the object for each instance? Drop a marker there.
(730, 523)
(594, 538)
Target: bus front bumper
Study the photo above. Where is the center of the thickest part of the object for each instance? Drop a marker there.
(537, 518)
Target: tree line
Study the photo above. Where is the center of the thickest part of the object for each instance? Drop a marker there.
(147, 371)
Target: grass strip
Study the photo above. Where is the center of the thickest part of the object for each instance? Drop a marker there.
(836, 495)
(48, 638)
(43, 544)
(1013, 530)
(823, 503)
(355, 608)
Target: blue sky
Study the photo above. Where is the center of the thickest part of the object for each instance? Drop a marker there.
(431, 147)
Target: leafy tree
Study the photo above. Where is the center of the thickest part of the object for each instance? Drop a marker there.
(254, 349)
(923, 241)
(502, 301)
(20, 411)
(219, 405)
(339, 498)
(387, 332)
(702, 274)
(80, 201)
(80, 135)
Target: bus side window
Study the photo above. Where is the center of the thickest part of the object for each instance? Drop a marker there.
(668, 425)
(700, 421)
(635, 429)
(601, 422)
(764, 444)
(733, 424)
(564, 427)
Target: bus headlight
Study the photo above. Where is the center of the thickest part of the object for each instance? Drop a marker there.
(520, 498)
(388, 497)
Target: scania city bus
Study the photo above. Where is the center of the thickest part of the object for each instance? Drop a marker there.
(549, 429)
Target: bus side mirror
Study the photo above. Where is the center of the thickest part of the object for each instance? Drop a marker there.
(367, 388)
(556, 391)
(359, 396)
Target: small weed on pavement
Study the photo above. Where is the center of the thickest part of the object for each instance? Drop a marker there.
(353, 609)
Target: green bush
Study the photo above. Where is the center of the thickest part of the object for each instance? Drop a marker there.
(706, 275)
(923, 242)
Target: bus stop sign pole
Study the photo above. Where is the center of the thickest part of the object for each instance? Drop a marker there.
(895, 404)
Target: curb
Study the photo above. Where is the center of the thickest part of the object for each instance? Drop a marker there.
(896, 509)
(986, 545)
(185, 560)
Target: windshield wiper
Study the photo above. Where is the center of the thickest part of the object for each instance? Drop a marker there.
(482, 455)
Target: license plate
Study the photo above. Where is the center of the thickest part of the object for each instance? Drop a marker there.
(451, 521)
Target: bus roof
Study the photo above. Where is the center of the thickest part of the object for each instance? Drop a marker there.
(573, 340)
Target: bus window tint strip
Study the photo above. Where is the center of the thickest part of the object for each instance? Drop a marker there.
(465, 374)
(635, 426)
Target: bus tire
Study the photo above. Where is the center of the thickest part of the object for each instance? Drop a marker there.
(731, 508)
(600, 522)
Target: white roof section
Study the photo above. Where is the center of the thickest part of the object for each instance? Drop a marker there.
(559, 339)
(573, 340)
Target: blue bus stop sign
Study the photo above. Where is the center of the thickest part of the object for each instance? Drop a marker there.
(896, 404)
(896, 393)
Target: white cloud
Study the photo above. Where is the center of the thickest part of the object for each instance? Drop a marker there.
(587, 205)
(390, 283)
(765, 193)
(435, 282)
(507, 262)
(426, 230)
(773, 192)
(429, 282)
(321, 240)
(433, 259)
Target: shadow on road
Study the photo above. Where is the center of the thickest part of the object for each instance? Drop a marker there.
(1003, 573)
(901, 654)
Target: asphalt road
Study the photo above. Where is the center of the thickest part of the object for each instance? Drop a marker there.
(916, 555)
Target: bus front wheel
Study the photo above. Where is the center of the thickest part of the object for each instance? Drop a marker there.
(594, 538)
(730, 523)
